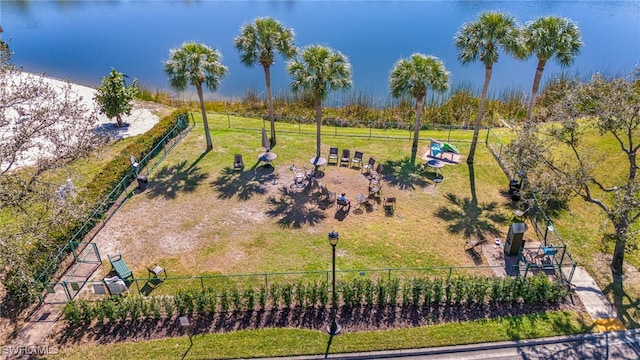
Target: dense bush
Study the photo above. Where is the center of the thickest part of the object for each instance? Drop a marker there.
(418, 292)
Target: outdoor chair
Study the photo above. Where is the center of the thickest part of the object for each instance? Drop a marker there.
(238, 163)
(116, 285)
(389, 205)
(329, 196)
(357, 159)
(300, 178)
(346, 157)
(121, 268)
(155, 271)
(333, 155)
(342, 204)
(375, 190)
(377, 173)
(368, 167)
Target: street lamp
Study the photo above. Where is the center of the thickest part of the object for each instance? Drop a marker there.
(334, 328)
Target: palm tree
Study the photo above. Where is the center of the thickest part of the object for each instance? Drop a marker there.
(258, 43)
(413, 77)
(196, 64)
(482, 40)
(550, 37)
(317, 71)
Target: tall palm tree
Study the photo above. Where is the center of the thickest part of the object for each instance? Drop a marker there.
(258, 43)
(414, 76)
(196, 64)
(550, 37)
(482, 40)
(319, 70)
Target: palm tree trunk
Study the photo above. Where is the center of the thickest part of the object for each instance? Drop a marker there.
(416, 130)
(267, 79)
(204, 118)
(474, 142)
(318, 124)
(536, 86)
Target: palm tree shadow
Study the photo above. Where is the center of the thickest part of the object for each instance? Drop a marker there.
(404, 174)
(469, 218)
(171, 180)
(293, 209)
(244, 184)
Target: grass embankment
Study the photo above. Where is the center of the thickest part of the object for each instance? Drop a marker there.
(282, 342)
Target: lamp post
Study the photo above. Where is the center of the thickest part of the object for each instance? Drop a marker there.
(334, 328)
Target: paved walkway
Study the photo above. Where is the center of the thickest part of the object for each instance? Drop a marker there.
(597, 305)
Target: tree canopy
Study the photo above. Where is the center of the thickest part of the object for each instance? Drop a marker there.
(413, 77)
(317, 71)
(114, 97)
(259, 43)
(482, 40)
(196, 64)
(611, 109)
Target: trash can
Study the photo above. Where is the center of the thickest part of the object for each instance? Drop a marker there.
(143, 182)
(514, 239)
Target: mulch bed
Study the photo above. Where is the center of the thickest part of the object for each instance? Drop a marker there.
(353, 319)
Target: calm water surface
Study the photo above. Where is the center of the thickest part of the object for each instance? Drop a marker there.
(82, 40)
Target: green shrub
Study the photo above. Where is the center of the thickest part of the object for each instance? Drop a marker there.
(262, 297)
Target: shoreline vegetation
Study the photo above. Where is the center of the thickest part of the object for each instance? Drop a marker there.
(458, 107)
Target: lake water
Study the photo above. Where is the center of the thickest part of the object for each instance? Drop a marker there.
(82, 40)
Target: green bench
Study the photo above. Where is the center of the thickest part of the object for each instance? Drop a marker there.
(121, 268)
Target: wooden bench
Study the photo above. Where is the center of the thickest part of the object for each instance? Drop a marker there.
(121, 268)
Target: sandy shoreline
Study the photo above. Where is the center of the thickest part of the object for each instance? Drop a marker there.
(141, 119)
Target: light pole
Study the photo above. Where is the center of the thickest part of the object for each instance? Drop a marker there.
(334, 328)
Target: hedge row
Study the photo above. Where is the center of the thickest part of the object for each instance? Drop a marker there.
(120, 166)
(410, 292)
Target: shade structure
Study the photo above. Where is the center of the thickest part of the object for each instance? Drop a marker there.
(265, 140)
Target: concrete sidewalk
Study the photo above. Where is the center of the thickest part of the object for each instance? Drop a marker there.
(596, 304)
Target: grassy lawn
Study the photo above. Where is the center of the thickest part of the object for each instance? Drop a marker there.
(200, 217)
(282, 342)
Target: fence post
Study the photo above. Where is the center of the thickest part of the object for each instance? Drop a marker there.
(201, 282)
(137, 286)
(299, 125)
(266, 282)
(486, 141)
(66, 290)
(389, 274)
(449, 135)
(370, 127)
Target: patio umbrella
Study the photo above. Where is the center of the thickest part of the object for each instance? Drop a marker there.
(265, 140)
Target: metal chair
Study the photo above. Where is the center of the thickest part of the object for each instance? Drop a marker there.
(346, 157)
(333, 155)
(389, 205)
(369, 165)
(156, 270)
(238, 163)
(357, 159)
